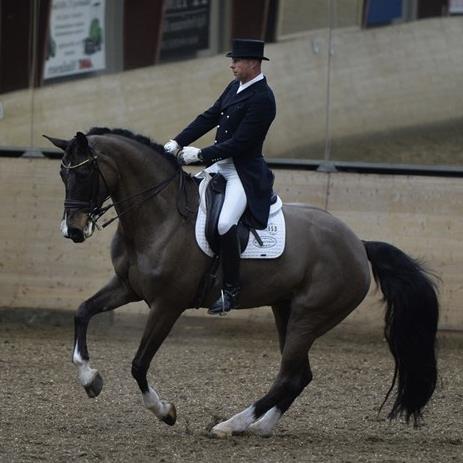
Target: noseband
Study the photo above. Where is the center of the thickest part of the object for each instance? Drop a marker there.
(96, 211)
(92, 203)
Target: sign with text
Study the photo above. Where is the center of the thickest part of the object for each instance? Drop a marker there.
(185, 28)
(75, 42)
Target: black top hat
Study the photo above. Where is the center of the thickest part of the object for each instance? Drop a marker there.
(247, 48)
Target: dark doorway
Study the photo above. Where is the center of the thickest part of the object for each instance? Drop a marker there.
(432, 8)
(142, 32)
(249, 19)
(23, 28)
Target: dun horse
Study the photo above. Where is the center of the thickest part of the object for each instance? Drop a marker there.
(322, 276)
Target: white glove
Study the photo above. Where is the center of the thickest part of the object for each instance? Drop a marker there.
(172, 147)
(189, 154)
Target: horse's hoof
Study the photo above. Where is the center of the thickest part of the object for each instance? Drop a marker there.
(220, 433)
(94, 388)
(171, 416)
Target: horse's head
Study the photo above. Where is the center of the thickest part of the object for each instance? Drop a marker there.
(84, 186)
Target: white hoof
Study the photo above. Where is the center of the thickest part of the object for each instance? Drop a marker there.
(163, 410)
(221, 432)
(264, 426)
(236, 424)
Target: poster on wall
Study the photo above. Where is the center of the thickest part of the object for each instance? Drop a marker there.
(75, 42)
(185, 28)
(456, 7)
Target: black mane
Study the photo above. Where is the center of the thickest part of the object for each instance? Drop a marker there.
(133, 136)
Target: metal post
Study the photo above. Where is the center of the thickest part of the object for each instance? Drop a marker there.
(327, 165)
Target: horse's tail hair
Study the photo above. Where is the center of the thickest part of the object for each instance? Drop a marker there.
(412, 312)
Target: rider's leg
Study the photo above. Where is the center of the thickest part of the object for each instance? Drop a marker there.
(232, 210)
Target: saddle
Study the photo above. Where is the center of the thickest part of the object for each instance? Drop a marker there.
(264, 244)
(215, 197)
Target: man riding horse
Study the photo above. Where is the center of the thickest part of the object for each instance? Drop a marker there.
(242, 115)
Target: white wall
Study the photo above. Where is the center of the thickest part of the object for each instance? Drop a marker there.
(41, 269)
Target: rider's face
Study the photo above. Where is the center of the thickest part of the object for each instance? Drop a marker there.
(245, 69)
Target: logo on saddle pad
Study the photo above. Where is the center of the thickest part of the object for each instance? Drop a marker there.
(267, 242)
(260, 244)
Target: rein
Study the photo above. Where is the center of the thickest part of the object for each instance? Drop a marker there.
(96, 212)
(154, 191)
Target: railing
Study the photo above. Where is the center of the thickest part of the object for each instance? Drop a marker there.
(297, 164)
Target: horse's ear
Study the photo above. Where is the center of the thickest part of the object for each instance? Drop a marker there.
(61, 144)
(81, 140)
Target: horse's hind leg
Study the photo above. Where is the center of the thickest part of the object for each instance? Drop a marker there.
(293, 377)
(311, 314)
(310, 317)
(281, 312)
(111, 296)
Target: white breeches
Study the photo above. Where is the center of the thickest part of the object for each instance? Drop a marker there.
(235, 197)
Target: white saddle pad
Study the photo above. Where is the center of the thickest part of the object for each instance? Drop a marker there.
(273, 237)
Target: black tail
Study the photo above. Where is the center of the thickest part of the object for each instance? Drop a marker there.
(411, 323)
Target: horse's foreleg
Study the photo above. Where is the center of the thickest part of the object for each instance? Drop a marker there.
(111, 296)
(158, 326)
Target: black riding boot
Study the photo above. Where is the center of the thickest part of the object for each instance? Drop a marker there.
(230, 255)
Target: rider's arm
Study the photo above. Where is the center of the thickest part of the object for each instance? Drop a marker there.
(203, 123)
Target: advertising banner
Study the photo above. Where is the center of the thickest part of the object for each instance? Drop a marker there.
(185, 28)
(75, 42)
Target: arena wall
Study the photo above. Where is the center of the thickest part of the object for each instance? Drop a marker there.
(41, 269)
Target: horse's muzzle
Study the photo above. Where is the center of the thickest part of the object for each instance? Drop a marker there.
(75, 234)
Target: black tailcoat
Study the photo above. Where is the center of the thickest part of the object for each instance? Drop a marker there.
(242, 122)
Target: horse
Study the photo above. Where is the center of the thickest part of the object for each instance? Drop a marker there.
(321, 277)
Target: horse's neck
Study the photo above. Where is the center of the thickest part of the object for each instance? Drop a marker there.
(147, 191)
(138, 167)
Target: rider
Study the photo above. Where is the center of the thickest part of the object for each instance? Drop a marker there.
(242, 116)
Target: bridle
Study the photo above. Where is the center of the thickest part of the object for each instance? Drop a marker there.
(96, 211)
(92, 203)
